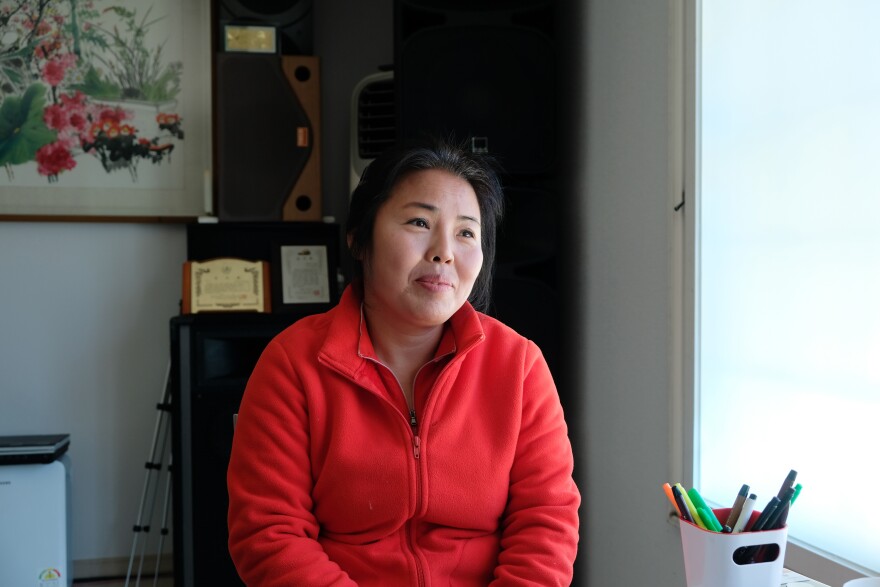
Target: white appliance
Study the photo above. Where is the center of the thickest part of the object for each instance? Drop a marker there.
(372, 122)
(35, 524)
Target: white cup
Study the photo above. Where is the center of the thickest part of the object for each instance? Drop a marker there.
(863, 582)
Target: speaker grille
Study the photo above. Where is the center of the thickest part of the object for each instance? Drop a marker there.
(375, 118)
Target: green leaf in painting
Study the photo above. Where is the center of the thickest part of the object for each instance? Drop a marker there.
(22, 130)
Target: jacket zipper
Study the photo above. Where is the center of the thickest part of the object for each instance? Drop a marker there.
(417, 442)
(411, 527)
(417, 452)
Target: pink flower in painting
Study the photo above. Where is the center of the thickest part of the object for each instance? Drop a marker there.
(55, 117)
(55, 68)
(78, 120)
(54, 158)
(75, 106)
(69, 116)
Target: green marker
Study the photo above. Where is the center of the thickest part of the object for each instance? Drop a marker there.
(712, 522)
(710, 518)
(693, 508)
(797, 491)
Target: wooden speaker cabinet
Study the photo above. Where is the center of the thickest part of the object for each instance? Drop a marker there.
(268, 137)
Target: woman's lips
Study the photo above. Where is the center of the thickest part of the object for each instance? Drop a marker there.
(434, 283)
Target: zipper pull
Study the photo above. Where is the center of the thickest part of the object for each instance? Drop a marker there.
(417, 446)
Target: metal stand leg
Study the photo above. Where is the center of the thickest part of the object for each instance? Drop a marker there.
(158, 448)
(164, 532)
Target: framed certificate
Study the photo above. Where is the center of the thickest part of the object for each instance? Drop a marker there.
(304, 274)
(226, 285)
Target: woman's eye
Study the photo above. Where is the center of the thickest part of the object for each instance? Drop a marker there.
(420, 222)
(468, 233)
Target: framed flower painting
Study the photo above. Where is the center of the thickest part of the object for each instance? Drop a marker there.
(105, 109)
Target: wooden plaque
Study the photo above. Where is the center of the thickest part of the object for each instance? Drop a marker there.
(226, 285)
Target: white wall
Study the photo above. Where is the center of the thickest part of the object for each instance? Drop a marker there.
(84, 346)
(626, 326)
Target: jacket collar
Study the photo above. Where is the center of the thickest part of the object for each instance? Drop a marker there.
(347, 334)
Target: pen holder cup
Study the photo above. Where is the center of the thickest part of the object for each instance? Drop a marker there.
(744, 559)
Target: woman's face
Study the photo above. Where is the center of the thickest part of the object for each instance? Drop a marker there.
(426, 251)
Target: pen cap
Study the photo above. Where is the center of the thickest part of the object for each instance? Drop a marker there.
(710, 558)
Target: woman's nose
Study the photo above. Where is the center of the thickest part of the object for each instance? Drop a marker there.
(441, 250)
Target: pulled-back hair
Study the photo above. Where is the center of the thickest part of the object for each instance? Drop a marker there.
(380, 177)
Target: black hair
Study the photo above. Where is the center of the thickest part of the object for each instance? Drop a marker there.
(380, 177)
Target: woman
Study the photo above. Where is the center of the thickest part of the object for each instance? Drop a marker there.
(403, 437)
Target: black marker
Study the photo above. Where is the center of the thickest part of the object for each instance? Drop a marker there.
(762, 520)
(682, 506)
(789, 482)
(774, 522)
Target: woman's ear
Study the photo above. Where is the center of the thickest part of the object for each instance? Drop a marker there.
(349, 238)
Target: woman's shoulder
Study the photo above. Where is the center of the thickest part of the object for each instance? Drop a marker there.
(499, 333)
(306, 327)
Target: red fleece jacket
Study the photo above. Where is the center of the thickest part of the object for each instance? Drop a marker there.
(331, 482)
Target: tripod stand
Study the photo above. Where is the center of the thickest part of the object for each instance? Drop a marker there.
(159, 450)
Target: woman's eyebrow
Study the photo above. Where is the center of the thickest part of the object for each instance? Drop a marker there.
(433, 208)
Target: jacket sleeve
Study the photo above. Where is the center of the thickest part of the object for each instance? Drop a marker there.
(540, 524)
(272, 531)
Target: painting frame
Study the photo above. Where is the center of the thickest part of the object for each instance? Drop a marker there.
(176, 159)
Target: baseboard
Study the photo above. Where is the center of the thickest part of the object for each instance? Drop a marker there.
(103, 568)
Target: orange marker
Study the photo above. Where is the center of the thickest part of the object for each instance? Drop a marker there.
(668, 489)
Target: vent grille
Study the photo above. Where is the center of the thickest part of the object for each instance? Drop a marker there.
(375, 118)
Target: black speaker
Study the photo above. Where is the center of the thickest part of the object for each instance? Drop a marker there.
(292, 20)
(485, 73)
(212, 357)
(481, 70)
(268, 139)
(526, 293)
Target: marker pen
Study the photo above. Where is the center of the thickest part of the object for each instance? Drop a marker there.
(777, 519)
(789, 482)
(706, 513)
(765, 516)
(746, 513)
(737, 506)
(797, 491)
(691, 508)
(682, 506)
(710, 519)
(667, 488)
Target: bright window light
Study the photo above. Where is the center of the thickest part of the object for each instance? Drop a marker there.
(789, 263)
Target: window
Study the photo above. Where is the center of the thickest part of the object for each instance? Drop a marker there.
(787, 341)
